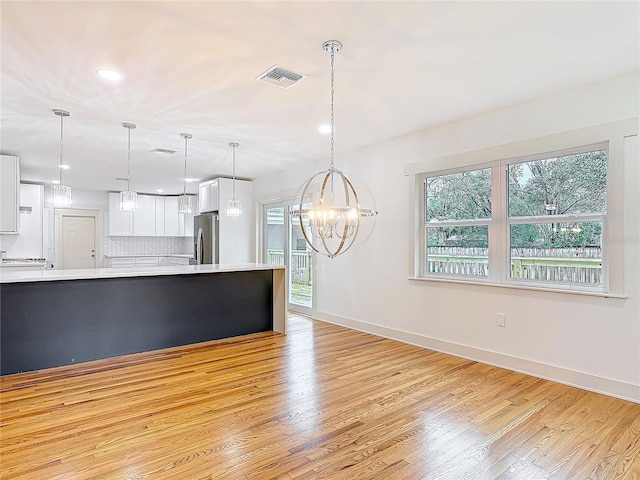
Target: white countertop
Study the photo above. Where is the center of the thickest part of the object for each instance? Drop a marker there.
(177, 255)
(92, 273)
(26, 263)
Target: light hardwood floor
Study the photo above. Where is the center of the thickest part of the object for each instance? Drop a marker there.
(322, 402)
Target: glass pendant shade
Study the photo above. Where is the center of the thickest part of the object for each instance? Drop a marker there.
(184, 204)
(60, 196)
(128, 201)
(184, 200)
(128, 198)
(234, 208)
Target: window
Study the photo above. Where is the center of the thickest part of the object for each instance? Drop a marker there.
(536, 220)
(457, 225)
(557, 208)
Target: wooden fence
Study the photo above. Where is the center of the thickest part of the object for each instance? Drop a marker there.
(300, 268)
(566, 265)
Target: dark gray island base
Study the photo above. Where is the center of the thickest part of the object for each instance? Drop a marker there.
(52, 323)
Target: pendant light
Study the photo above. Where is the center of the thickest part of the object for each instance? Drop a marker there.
(334, 216)
(234, 207)
(184, 200)
(128, 199)
(61, 194)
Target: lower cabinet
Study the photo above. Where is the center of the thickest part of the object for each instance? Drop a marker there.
(146, 261)
(162, 261)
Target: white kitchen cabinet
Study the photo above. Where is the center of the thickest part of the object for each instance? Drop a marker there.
(236, 233)
(121, 262)
(9, 194)
(144, 218)
(156, 216)
(208, 196)
(171, 217)
(129, 262)
(160, 215)
(169, 260)
(120, 223)
(185, 224)
(177, 224)
(146, 261)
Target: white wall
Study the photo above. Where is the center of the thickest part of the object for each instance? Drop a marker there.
(586, 341)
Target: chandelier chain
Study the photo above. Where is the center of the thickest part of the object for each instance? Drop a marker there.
(332, 106)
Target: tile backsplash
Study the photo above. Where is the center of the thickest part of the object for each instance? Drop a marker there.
(114, 246)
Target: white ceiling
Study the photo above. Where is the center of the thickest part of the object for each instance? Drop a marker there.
(191, 67)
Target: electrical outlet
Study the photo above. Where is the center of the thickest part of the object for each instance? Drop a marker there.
(501, 320)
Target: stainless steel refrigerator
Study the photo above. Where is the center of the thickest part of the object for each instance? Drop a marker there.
(205, 238)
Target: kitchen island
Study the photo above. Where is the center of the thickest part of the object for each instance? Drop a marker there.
(50, 318)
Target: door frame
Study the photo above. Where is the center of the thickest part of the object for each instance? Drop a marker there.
(59, 213)
(286, 203)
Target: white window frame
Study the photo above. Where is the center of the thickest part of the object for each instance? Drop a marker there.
(611, 135)
(489, 221)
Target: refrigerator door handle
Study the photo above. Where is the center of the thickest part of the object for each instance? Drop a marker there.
(199, 252)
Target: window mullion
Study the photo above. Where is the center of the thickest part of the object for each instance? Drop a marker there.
(497, 224)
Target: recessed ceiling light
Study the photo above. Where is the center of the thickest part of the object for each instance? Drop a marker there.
(64, 166)
(190, 180)
(55, 182)
(108, 74)
(159, 190)
(324, 129)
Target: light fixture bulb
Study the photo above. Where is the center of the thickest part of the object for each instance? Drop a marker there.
(324, 129)
(109, 74)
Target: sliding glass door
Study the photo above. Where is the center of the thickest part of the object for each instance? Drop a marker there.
(284, 244)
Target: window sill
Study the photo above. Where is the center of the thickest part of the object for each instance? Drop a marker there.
(520, 287)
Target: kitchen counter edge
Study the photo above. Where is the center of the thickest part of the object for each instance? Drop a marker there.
(94, 273)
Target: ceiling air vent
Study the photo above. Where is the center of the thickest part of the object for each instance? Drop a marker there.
(164, 151)
(280, 77)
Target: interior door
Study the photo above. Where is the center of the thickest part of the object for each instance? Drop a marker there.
(283, 244)
(78, 242)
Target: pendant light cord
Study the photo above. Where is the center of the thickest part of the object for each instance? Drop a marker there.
(61, 143)
(234, 174)
(129, 161)
(184, 188)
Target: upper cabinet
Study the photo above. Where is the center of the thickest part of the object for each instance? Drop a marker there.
(9, 194)
(120, 223)
(208, 196)
(144, 218)
(156, 216)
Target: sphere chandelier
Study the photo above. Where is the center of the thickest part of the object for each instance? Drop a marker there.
(327, 208)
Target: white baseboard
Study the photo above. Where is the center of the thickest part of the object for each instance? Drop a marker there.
(586, 381)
